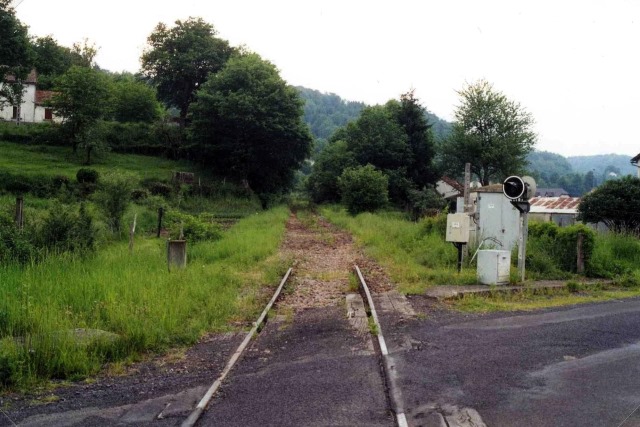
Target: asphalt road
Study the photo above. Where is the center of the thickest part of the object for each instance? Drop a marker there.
(576, 366)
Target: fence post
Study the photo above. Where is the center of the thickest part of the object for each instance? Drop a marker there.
(160, 212)
(20, 213)
(580, 254)
(176, 253)
(132, 231)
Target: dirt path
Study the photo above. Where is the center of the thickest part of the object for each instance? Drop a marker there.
(323, 258)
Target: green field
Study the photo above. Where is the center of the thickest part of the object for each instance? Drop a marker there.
(46, 160)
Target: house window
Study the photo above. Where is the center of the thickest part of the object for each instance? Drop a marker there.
(48, 114)
(15, 113)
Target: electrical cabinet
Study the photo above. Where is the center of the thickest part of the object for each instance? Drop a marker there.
(458, 228)
(494, 267)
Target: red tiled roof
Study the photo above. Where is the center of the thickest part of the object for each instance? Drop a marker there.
(43, 95)
(548, 204)
(452, 182)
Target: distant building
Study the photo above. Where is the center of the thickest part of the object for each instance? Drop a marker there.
(33, 108)
(561, 210)
(551, 192)
(635, 161)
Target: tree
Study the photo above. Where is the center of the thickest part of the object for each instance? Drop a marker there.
(363, 188)
(113, 198)
(247, 123)
(178, 60)
(15, 57)
(412, 117)
(81, 98)
(615, 203)
(84, 54)
(491, 132)
(331, 162)
(50, 60)
(134, 100)
(14, 41)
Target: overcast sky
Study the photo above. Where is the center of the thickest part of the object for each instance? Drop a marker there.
(573, 64)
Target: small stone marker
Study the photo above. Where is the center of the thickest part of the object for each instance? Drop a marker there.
(177, 253)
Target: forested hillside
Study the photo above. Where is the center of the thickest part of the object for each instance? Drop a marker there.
(577, 174)
(326, 112)
(603, 163)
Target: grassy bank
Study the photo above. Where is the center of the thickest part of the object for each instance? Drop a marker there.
(133, 296)
(415, 254)
(46, 160)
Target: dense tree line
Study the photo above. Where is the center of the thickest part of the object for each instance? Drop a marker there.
(394, 138)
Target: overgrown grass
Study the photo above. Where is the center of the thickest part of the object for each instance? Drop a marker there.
(415, 255)
(47, 160)
(133, 296)
(529, 300)
(614, 255)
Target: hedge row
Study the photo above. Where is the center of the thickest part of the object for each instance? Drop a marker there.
(155, 139)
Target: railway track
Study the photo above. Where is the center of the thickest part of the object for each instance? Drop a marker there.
(387, 384)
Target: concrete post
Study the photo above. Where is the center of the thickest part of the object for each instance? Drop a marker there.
(176, 253)
(580, 254)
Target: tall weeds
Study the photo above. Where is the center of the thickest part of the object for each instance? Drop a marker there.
(132, 296)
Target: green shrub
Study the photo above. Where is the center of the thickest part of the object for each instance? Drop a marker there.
(363, 188)
(552, 249)
(87, 176)
(158, 188)
(139, 194)
(614, 255)
(15, 246)
(113, 197)
(434, 225)
(194, 228)
(64, 229)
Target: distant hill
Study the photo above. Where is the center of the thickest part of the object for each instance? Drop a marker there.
(602, 163)
(326, 112)
(577, 174)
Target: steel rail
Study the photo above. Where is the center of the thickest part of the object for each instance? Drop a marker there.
(389, 366)
(197, 412)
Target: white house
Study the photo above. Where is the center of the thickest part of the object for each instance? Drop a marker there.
(32, 109)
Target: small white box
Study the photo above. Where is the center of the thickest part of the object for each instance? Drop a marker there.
(494, 267)
(458, 228)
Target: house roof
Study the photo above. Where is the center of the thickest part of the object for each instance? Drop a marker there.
(31, 78)
(566, 205)
(551, 192)
(43, 95)
(452, 182)
(635, 159)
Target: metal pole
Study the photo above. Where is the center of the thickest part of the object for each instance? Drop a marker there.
(522, 244)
